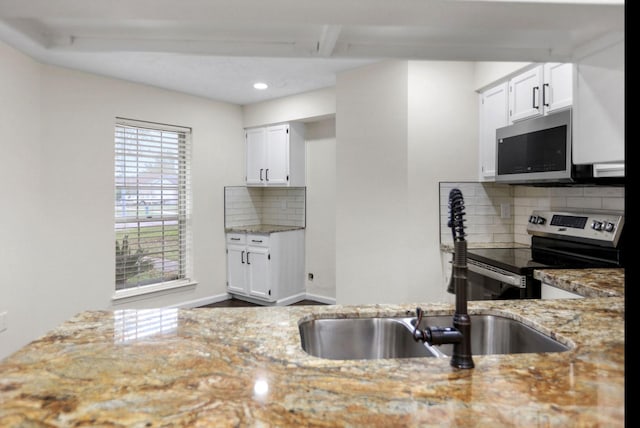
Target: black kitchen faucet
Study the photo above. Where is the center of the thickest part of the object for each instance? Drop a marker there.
(460, 334)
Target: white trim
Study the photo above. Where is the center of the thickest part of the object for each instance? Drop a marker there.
(321, 299)
(151, 288)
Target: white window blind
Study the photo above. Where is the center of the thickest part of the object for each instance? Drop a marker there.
(152, 201)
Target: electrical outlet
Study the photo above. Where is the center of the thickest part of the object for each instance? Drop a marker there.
(310, 277)
(3, 321)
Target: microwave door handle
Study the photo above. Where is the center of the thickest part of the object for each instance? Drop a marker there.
(535, 96)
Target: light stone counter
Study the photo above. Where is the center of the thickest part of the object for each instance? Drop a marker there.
(240, 367)
(262, 228)
(585, 282)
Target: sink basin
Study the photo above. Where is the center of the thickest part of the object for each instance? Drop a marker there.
(361, 338)
(492, 334)
(374, 338)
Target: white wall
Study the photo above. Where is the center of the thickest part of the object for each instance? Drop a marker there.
(68, 256)
(320, 233)
(313, 104)
(442, 144)
(21, 206)
(371, 184)
(402, 127)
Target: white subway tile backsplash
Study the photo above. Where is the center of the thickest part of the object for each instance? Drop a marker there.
(605, 192)
(255, 205)
(584, 203)
(483, 200)
(616, 204)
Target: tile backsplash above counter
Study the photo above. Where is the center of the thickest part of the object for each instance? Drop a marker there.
(498, 213)
(264, 207)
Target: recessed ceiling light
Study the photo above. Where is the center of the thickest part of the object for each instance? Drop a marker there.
(260, 85)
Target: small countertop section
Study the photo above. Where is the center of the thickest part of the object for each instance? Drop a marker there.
(262, 228)
(585, 282)
(448, 247)
(232, 367)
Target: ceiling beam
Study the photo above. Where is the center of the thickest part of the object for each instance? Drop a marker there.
(328, 39)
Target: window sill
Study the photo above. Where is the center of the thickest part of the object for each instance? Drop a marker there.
(150, 289)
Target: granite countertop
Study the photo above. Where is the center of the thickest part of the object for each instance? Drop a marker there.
(585, 282)
(245, 367)
(262, 228)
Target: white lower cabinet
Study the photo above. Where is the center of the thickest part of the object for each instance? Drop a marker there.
(266, 267)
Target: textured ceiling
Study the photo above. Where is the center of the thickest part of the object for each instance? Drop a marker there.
(218, 49)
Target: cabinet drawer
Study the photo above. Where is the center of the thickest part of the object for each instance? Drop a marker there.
(236, 238)
(258, 240)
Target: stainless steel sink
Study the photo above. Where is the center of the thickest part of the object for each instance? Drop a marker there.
(492, 334)
(374, 338)
(361, 338)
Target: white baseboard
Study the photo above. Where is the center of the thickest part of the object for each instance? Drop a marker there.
(282, 302)
(321, 299)
(203, 301)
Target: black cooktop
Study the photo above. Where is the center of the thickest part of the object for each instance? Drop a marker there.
(517, 260)
(546, 253)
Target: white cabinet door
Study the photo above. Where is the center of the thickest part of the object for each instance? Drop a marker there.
(236, 268)
(275, 155)
(557, 90)
(259, 272)
(277, 165)
(256, 154)
(494, 114)
(599, 107)
(525, 94)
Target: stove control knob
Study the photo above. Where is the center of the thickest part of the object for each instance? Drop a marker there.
(541, 220)
(597, 225)
(532, 219)
(609, 227)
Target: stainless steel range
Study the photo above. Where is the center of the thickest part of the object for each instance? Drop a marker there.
(559, 239)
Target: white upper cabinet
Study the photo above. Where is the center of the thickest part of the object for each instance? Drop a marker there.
(275, 155)
(598, 111)
(525, 94)
(277, 172)
(256, 154)
(541, 90)
(557, 89)
(494, 114)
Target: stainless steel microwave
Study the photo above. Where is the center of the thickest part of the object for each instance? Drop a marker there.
(535, 150)
(538, 150)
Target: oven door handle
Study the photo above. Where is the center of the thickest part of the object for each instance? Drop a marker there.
(497, 274)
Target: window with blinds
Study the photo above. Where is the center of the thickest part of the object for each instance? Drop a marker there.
(152, 195)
